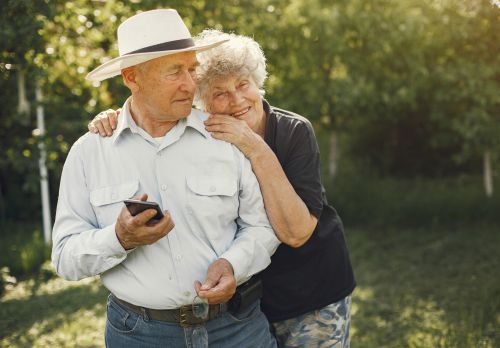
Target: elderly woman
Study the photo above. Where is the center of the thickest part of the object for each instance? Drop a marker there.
(307, 288)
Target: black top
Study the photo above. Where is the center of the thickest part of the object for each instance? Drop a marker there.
(318, 273)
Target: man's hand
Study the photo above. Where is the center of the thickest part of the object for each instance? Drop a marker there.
(134, 231)
(104, 123)
(219, 285)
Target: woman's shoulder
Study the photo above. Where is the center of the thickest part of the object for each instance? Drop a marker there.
(288, 117)
(290, 123)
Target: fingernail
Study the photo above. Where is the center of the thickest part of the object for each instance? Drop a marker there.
(205, 287)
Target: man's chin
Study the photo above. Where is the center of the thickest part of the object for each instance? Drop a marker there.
(183, 111)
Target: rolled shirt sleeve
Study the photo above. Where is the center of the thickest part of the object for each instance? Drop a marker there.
(81, 249)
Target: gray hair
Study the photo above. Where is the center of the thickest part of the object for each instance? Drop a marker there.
(241, 55)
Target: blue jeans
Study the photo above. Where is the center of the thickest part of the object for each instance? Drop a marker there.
(124, 328)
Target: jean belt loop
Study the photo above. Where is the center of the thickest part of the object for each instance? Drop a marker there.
(145, 315)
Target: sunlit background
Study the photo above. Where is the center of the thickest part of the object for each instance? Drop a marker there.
(404, 96)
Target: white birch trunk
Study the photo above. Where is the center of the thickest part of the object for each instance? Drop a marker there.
(23, 106)
(488, 175)
(333, 154)
(44, 182)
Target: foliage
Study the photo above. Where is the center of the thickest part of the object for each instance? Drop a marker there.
(412, 85)
(22, 249)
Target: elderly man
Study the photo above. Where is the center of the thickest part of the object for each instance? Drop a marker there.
(213, 229)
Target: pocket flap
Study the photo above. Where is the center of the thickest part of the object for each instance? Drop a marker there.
(211, 186)
(113, 194)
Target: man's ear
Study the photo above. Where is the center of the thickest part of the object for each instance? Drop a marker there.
(129, 76)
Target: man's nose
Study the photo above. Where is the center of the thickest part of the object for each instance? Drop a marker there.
(189, 81)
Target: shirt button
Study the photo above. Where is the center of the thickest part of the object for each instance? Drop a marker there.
(164, 187)
(212, 188)
(187, 293)
(178, 257)
(113, 195)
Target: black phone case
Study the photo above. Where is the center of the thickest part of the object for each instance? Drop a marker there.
(137, 207)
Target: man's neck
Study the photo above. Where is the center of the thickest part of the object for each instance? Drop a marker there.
(152, 125)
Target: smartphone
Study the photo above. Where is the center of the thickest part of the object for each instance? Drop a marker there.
(136, 206)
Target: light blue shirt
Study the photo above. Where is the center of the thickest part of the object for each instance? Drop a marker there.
(207, 186)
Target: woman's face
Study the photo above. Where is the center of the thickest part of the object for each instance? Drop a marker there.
(237, 96)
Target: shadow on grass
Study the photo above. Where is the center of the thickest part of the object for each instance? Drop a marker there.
(426, 288)
(23, 320)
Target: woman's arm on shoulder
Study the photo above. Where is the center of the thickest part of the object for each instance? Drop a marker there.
(287, 212)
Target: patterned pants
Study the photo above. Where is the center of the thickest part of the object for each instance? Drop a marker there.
(327, 327)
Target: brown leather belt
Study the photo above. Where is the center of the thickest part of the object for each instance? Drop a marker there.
(183, 315)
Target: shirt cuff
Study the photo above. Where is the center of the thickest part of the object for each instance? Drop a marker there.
(240, 263)
(110, 243)
(233, 260)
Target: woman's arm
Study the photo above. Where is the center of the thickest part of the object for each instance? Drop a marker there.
(288, 214)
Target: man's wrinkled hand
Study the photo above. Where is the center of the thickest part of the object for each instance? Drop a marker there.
(219, 285)
(134, 231)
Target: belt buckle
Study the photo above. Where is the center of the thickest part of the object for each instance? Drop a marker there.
(187, 318)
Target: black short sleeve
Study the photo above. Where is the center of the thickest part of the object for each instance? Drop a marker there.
(292, 139)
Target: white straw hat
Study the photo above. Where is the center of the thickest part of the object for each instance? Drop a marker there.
(145, 36)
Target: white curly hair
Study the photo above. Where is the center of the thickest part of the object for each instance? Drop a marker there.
(240, 55)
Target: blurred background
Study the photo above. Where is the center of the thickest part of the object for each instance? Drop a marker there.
(404, 96)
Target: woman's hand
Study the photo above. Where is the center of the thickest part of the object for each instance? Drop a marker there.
(234, 131)
(105, 122)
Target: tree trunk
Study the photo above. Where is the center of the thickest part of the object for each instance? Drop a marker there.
(23, 106)
(333, 154)
(2, 209)
(488, 175)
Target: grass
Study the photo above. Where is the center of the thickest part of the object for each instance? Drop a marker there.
(53, 313)
(432, 287)
(436, 287)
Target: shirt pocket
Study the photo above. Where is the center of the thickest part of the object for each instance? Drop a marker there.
(212, 205)
(108, 201)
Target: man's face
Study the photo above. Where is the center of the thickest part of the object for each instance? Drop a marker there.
(167, 85)
(237, 96)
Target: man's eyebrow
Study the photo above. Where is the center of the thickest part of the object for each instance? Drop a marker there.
(174, 67)
(180, 65)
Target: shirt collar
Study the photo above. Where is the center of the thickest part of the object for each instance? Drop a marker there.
(194, 120)
(125, 121)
